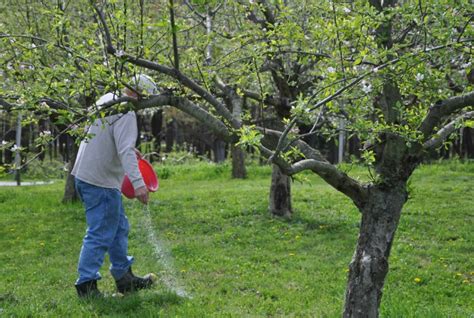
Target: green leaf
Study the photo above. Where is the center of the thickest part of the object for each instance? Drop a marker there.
(469, 123)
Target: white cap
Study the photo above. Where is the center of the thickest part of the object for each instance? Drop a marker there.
(144, 84)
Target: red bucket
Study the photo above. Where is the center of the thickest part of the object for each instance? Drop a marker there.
(149, 177)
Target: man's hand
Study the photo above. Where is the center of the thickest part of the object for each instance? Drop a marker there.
(142, 194)
(138, 153)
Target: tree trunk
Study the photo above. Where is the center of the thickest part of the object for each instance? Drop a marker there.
(17, 153)
(238, 163)
(280, 194)
(170, 136)
(70, 194)
(156, 129)
(219, 150)
(369, 266)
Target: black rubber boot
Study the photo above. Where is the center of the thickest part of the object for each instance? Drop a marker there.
(130, 283)
(88, 289)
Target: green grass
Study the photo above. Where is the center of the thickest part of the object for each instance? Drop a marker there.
(237, 261)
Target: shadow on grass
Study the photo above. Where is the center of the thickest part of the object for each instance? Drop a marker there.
(132, 305)
(325, 226)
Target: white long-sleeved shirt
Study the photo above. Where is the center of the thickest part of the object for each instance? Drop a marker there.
(109, 154)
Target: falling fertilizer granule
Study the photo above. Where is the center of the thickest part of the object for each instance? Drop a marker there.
(168, 275)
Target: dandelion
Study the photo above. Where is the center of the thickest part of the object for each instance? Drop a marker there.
(417, 280)
(42, 244)
(419, 77)
(291, 254)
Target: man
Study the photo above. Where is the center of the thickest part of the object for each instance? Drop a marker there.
(102, 162)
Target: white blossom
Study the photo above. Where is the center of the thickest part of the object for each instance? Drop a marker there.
(15, 148)
(45, 133)
(347, 10)
(331, 69)
(4, 142)
(33, 46)
(366, 87)
(119, 53)
(419, 77)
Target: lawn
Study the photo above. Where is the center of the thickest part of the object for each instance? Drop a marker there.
(211, 239)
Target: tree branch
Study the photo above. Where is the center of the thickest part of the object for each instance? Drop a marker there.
(108, 38)
(267, 100)
(316, 163)
(438, 139)
(173, 72)
(442, 109)
(189, 108)
(193, 10)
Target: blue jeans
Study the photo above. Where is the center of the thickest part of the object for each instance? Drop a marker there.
(107, 231)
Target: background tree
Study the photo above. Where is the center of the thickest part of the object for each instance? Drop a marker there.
(401, 106)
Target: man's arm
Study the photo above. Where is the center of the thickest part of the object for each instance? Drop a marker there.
(125, 134)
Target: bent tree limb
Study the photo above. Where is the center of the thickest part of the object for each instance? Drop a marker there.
(442, 109)
(185, 105)
(172, 72)
(315, 162)
(438, 139)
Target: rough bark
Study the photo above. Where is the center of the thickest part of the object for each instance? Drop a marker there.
(70, 194)
(157, 129)
(369, 266)
(238, 163)
(219, 150)
(280, 194)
